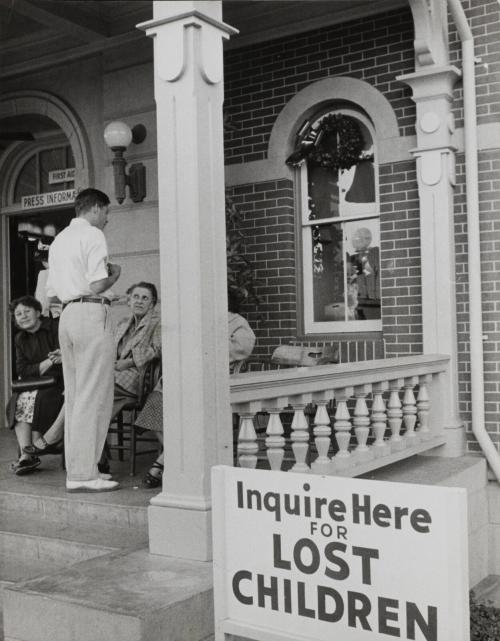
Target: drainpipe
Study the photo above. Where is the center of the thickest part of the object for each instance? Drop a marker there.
(473, 238)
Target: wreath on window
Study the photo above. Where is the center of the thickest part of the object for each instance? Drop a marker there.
(316, 147)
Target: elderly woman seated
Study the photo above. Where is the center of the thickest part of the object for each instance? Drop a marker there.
(241, 343)
(32, 412)
(138, 339)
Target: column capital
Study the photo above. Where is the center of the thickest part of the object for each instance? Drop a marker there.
(187, 36)
(430, 83)
(432, 93)
(151, 27)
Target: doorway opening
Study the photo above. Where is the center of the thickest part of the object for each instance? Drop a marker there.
(29, 238)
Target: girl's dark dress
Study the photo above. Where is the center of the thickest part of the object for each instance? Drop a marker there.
(31, 350)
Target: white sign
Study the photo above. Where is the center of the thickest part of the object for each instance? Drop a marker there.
(67, 196)
(315, 558)
(61, 176)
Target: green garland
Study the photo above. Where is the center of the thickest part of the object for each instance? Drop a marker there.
(349, 143)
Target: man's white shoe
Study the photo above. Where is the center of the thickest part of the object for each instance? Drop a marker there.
(96, 485)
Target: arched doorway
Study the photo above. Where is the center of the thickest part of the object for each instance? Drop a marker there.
(43, 162)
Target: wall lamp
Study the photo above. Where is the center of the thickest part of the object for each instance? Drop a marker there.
(118, 137)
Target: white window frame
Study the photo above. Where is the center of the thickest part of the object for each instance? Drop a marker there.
(352, 212)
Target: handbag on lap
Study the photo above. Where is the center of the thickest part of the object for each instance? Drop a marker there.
(28, 384)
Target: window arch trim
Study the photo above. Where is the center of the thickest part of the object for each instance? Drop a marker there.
(309, 101)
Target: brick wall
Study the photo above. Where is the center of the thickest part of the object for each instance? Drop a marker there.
(484, 20)
(261, 79)
(268, 223)
(400, 259)
(489, 206)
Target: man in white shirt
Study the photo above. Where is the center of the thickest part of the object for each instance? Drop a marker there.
(80, 277)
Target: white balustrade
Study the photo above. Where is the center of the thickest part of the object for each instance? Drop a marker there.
(300, 438)
(395, 416)
(361, 422)
(322, 431)
(410, 410)
(275, 442)
(423, 407)
(380, 412)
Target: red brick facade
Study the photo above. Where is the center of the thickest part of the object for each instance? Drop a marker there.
(262, 79)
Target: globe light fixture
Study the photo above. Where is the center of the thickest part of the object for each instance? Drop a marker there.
(118, 137)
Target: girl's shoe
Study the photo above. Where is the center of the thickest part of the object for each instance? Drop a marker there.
(25, 466)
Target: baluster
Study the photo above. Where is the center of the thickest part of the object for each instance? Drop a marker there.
(379, 421)
(322, 435)
(410, 411)
(342, 429)
(247, 441)
(300, 438)
(361, 422)
(395, 416)
(275, 441)
(423, 407)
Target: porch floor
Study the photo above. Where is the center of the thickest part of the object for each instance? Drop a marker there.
(49, 478)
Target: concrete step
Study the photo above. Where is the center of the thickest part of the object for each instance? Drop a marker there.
(468, 472)
(131, 596)
(487, 591)
(110, 509)
(32, 546)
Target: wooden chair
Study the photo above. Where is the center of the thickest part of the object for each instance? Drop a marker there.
(123, 428)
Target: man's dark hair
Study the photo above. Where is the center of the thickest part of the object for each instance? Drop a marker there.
(144, 285)
(87, 198)
(27, 301)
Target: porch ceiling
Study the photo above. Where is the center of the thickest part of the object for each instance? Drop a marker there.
(42, 34)
(29, 28)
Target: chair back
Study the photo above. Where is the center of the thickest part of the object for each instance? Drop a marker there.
(152, 375)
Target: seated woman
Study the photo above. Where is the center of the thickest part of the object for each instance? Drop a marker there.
(241, 344)
(33, 412)
(138, 339)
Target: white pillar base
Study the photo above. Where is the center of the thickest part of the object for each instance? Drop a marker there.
(455, 443)
(181, 533)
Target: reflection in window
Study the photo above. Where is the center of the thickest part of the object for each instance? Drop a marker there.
(346, 271)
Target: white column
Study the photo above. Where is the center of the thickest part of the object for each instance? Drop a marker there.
(197, 427)
(432, 91)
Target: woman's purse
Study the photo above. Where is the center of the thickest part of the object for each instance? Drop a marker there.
(303, 356)
(29, 384)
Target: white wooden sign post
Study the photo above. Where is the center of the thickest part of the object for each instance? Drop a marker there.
(312, 558)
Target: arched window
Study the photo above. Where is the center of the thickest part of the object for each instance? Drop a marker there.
(339, 219)
(38, 173)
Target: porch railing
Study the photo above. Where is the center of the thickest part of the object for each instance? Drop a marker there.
(342, 419)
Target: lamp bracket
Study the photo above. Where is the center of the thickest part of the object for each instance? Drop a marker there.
(136, 180)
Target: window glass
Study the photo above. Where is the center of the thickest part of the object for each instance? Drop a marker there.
(26, 183)
(34, 175)
(51, 160)
(340, 230)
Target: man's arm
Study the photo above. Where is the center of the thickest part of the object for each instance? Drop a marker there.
(102, 285)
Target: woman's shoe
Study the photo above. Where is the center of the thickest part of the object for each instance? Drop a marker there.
(25, 466)
(152, 481)
(48, 448)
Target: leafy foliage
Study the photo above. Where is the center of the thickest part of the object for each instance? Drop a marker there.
(241, 277)
(484, 621)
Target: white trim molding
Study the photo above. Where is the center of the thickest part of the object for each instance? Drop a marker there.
(29, 102)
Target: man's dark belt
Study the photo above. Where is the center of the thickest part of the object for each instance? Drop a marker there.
(88, 299)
